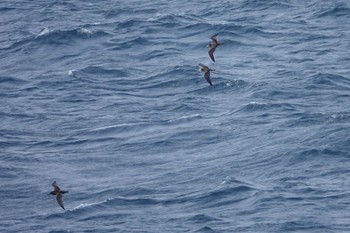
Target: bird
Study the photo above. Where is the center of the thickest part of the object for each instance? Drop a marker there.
(58, 192)
(206, 71)
(213, 44)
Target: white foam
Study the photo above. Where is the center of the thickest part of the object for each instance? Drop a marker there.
(72, 72)
(84, 205)
(43, 32)
(257, 103)
(85, 31)
(185, 117)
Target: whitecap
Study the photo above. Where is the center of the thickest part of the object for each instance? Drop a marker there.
(156, 16)
(72, 72)
(219, 22)
(256, 104)
(86, 31)
(185, 117)
(84, 205)
(109, 127)
(45, 31)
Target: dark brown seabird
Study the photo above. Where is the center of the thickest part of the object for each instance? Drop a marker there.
(206, 71)
(213, 44)
(58, 192)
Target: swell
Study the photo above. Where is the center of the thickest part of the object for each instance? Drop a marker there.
(328, 81)
(9, 80)
(56, 37)
(205, 199)
(340, 10)
(264, 107)
(265, 5)
(215, 198)
(308, 119)
(94, 72)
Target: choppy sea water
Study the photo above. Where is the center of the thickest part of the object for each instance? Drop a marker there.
(106, 98)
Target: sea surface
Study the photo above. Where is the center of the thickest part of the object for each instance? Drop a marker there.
(106, 98)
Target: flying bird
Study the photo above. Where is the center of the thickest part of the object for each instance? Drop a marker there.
(58, 192)
(206, 71)
(213, 44)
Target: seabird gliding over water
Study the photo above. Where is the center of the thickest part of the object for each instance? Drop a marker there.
(58, 192)
(206, 71)
(213, 44)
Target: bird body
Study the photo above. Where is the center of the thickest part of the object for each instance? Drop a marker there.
(58, 192)
(213, 45)
(206, 71)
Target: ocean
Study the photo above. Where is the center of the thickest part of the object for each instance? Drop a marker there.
(106, 98)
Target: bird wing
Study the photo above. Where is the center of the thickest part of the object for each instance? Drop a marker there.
(55, 186)
(59, 200)
(211, 53)
(207, 77)
(213, 38)
(201, 65)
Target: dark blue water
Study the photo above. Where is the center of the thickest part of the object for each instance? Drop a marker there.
(106, 98)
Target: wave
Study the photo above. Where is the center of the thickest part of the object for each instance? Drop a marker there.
(202, 218)
(66, 5)
(220, 196)
(176, 76)
(66, 36)
(97, 72)
(57, 37)
(99, 136)
(263, 106)
(328, 81)
(170, 19)
(87, 207)
(140, 40)
(265, 5)
(308, 119)
(115, 13)
(339, 117)
(132, 23)
(5, 9)
(187, 118)
(116, 129)
(206, 229)
(11, 80)
(160, 54)
(217, 198)
(338, 11)
(163, 82)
